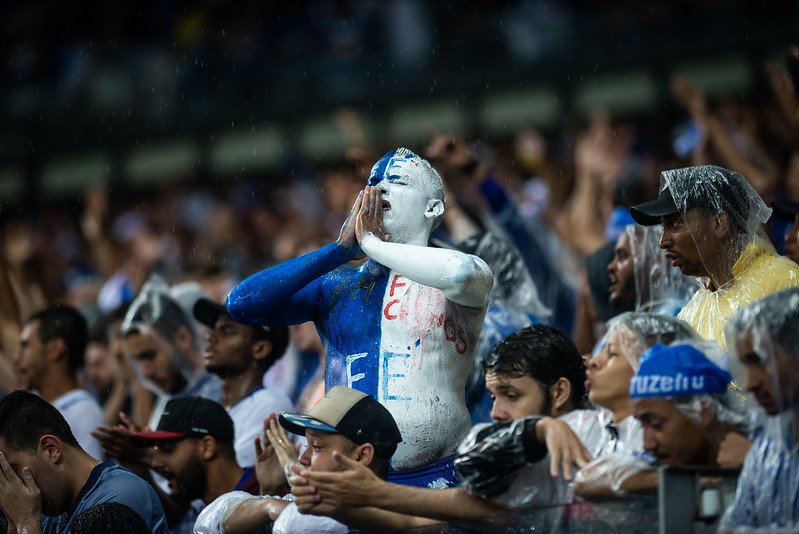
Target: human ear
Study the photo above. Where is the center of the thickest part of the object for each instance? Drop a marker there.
(50, 446)
(435, 208)
(560, 392)
(56, 347)
(207, 447)
(364, 454)
(722, 224)
(261, 349)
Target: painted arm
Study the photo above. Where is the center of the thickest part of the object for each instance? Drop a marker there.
(274, 296)
(463, 278)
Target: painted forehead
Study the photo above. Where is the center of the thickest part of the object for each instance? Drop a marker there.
(399, 164)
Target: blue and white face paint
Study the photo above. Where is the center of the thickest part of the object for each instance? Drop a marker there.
(413, 194)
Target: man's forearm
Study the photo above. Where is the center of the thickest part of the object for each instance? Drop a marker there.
(440, 504)
(463, 278)
(253, 514)
(379, 521)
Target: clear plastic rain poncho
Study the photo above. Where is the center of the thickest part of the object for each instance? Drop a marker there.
(618, 446)
(720, 240)
(659, 287)
(214, 516)
(155, 311)
(764, 338)
(502, 461)
(514, 304)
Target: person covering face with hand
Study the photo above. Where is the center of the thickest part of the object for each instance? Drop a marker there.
(401, 327)
(346, 427)
(47, 479)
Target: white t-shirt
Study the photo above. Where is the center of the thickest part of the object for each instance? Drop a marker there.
(83, 414)
(248, 420)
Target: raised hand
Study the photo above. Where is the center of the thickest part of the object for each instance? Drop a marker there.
(370, 216)
(273, 450)
(283, 446)
(116, 444)
(448, 149)
(346, 237)
(268, 470)
(691, 97)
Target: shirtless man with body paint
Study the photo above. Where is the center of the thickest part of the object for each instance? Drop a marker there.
(402, 326)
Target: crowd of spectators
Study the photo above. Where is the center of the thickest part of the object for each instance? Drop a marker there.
(549, 212)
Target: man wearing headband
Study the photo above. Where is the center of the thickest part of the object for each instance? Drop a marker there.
(403, 326)
(685, 409)
(684, 404)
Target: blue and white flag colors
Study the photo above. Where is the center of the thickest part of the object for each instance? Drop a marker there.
(677, 371)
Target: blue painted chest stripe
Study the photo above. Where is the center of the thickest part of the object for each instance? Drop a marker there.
(358, 335)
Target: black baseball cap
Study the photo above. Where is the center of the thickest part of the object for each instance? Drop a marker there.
(785, 209)
(207, 312)
(188, 417)
(650, 213)
(353, 414)
(705, 186)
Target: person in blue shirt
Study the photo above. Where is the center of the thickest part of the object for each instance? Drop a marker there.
(48, 479)
(764, 337)
(402, 326)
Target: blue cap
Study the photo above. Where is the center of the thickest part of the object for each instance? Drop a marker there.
(677, 371)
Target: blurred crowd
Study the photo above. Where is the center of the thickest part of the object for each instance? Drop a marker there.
(573, 259)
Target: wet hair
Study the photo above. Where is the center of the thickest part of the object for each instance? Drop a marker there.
(26, 417)
(109, 518)
(67, 323)
(543, 353)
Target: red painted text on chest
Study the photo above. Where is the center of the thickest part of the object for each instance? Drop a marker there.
(422, 309)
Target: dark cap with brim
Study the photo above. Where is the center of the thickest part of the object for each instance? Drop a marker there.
(207, 312)
(188, 417)
(353, 414)
(650, 213)
(786, 210)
